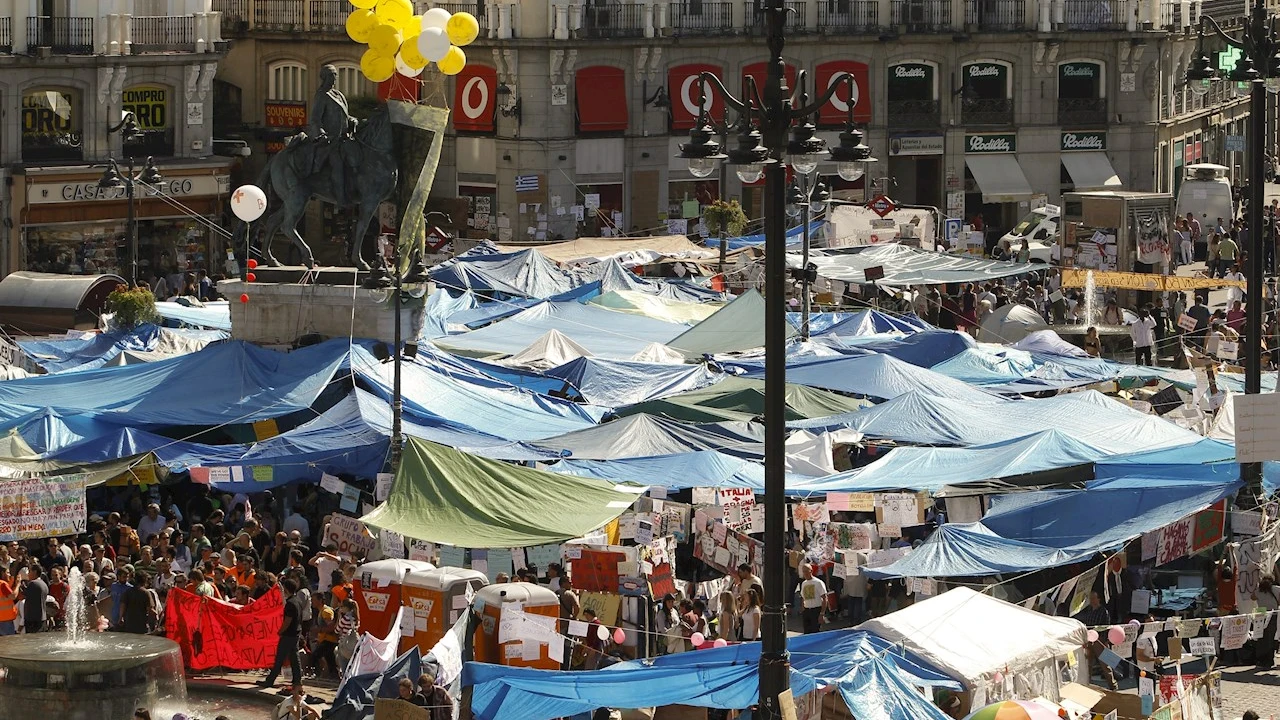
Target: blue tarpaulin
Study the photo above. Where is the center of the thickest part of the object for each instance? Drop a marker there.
(925, 348)
(794, 235)
(932, 468)
(604, 333)
(440, 306)
(876, 376)
(238, 383)
(726, 678)
(704, 468)
(98, 349)
(1090, 417)
(874, 322)
(215, 315)
(527, 273)
(615, 383)
(643, 435)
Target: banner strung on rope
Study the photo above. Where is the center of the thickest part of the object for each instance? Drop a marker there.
(34, 508)
(1075, 278)
(213, 633)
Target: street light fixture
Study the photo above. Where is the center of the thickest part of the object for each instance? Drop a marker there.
(766, 120)
(112, 180)
(1257, 70)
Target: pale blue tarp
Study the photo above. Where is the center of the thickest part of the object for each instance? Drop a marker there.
(904, 265)
(818, 321)
(215, 315)
(875, 376)
(726, 678)
(704, 468)
(440, 306)
(987, 365)
(95, 350)
(794, 235)
(493, 311)
(1203, 451)
(615, 383)
(1038, 530)
(604, 333)
(874, 322)
(1090, 417)
(613, 276)
(644, 435)
(47, 430)
(875, 690)
(933, 468)
(1016, 371)
(527, 273)
(237, 383)
(925, 348)
(505, 412)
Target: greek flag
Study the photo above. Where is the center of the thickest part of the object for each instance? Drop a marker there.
(526, 183)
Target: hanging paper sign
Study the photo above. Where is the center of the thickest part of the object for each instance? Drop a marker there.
(661, 581)
(43, 507)
(855, 536)
(1202, 646)
(737, 496)
(899, 509)
(597, 570)
(1175, 541)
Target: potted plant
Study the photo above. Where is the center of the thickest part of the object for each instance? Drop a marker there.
(131, 307)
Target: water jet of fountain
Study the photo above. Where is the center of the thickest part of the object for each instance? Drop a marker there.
(1090, 300)
(75, 610)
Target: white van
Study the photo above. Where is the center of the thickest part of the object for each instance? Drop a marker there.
(1040, 228)
(1206, 194)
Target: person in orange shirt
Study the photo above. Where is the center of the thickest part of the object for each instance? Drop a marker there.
(8, 611)
(340, 589)
(243, 572)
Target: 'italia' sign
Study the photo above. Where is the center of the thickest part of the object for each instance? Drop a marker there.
(1006, 143)
(1077, 141)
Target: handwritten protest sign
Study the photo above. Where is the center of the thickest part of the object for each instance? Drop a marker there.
(213, 633)
(42, 507)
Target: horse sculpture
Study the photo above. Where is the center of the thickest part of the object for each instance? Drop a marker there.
(297, 175)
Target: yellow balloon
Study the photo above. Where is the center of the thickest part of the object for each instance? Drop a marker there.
(360, 23)
(394, 12)
(376, 66)
(411, 55)
(364, 4)
(453, 61)
(384, 39)
(463, 28)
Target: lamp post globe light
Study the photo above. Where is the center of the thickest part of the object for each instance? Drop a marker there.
(1257, 70)
(763, 149)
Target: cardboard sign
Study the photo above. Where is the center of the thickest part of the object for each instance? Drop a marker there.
(397, 709)
(1186, 322)
(1202, 646)
(350, 536)
(597, 570)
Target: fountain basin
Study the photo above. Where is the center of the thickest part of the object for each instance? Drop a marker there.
(107, 675)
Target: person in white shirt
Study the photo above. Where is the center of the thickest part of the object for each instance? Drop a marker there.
(1234, 293)
(295, 708)
(325, 562)
(1214, 337)
(813, 593)
(1143, 331)
(151, 523)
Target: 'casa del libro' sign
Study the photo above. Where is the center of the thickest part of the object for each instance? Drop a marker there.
(1003, 143)
(1079, 141)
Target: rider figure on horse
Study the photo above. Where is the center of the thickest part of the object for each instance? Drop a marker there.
(329, 128)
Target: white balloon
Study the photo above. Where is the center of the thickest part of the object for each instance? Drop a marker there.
(405, 70)
(436, 18)
(433, 43)
(602, 632)
(248, 202)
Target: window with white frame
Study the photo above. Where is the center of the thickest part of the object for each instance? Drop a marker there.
(351, 82)
(287, 81)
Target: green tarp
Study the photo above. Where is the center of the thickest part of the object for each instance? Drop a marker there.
(735, 327)
(445, 496)
(742, 399)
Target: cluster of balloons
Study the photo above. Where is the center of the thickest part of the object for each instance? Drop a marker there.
(698, 640)
(400, 41)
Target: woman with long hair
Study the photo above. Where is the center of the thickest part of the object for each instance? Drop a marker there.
(727, 618)
(751, 616)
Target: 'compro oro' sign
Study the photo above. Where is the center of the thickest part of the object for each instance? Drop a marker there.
(149, 105)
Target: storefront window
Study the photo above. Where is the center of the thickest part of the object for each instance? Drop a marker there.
(985, 94)
(51, 125)
(167, 246)
(1080, 95)
(150, 105)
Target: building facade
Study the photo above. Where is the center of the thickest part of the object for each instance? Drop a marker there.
(71, 71)
(568, 117)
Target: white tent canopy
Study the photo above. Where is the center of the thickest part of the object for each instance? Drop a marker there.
(553, 349)
(970, 636)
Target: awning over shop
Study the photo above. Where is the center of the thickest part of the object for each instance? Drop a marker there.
(1000, 177)
(1090, 170)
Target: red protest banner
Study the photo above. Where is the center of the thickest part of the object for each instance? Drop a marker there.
(597, 571)
(214, 633)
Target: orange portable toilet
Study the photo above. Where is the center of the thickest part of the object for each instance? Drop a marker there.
(497, 599)
(377, 590)
(430, 596)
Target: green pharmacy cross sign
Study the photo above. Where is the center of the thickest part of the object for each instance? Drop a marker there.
(1228, 58)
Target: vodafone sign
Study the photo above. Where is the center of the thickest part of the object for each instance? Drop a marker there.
(835, 111)
(682, 84)
(475, 97)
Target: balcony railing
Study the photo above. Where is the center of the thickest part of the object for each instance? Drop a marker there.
(1082, 112)
(914, 114)
(235, 15)
(63, 35)
(997, 15)
(921, 16)
(612, 20)
(6, 34)
(983, 111)
(175, 33)
(754, 20)
(1227, 13)
(700, 18)
(283, 15)
(328, 16)
(848, 16)
(1095, 14)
